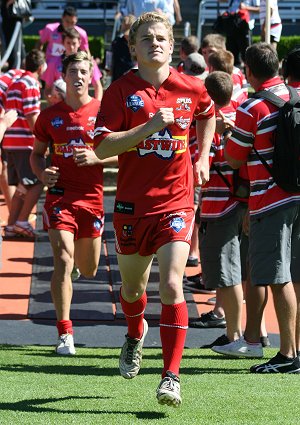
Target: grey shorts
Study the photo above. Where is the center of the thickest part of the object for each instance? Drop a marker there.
(18, 167)
(274, 247)
(220, 250)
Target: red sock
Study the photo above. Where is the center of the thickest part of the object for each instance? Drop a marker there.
(173, 329)
(134, 313)
(64, 327)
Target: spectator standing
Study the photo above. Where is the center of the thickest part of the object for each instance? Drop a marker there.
(51, 34)
(71, 43)
(6, 81)
(154, 201)
(188, 46)
(23, 96)
(274, 213)
(173, 11)
(121, 56)
(137, 7)
(275, 22)
(8, 27)
(73, 211)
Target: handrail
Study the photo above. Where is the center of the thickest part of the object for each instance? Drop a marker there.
(17, 31)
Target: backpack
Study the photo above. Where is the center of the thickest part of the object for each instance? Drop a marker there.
(286, 156)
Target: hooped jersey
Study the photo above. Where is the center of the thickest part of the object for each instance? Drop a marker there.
(64, 129)
(156, 175)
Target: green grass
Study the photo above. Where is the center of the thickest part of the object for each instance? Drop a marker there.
(38, 387)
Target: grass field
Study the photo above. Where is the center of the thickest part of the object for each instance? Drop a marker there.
(38, 387)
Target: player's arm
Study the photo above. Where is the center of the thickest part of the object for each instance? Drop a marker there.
(234, 163)
(118, 142)
(205, 133)
(31, 119)
(47, 175)
(6, 120)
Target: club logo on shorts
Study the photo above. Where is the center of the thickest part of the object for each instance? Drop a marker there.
(134, 102)
(97, 224)
(57, 122)
(127, 230)
(56, 210)
(177, 223)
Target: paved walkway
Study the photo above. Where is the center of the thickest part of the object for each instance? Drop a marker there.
(26, 311)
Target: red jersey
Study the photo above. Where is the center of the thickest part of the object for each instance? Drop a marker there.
(216, 197)
(5, 82)
(63, 128)
(23, 95)
(240, 86)
(255, 124)
(156, 175)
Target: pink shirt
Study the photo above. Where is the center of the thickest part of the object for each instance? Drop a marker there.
(54, 72)
(51, 34)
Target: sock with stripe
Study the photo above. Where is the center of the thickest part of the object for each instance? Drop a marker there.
(134, 313)
(173, 329)
(64, 327)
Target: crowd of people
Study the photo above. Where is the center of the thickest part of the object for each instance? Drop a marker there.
(191, 185)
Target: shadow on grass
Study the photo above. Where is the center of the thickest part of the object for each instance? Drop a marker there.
(35, 406)
(67, 369)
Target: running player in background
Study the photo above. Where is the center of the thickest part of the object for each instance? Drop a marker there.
(147, 125)
(73, 211)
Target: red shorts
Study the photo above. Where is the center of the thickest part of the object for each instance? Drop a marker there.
(147, 234)
(83, 222)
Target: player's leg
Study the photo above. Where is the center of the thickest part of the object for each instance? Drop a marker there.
(174, 318)
(135, 270)
(87, 255)
(62, 243)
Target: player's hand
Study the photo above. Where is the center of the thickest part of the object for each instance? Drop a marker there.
(85, 157)
(162, 118)
(201, 171)
(223, 123)
(50, 176)
(9, 117)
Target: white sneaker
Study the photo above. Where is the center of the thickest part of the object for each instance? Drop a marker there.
(65, 345)
(240, 348)
(131, 355)
(168, 391)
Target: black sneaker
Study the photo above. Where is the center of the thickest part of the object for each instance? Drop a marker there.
(278, 364)
(194, 284)
(265, 342)
(208, 320)
(221, 340)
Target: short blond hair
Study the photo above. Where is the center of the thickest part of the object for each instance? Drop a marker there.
(80, 56)
(146, 18)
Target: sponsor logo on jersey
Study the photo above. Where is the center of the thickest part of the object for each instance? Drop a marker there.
(184, 103)
(91, 120)
(162, 144)
(177, 223)
(134, 102)
(90, 133)
(183, 122)
(57, 122)
(55, 36)
(67, 149)
(179, 213)
(75, 127)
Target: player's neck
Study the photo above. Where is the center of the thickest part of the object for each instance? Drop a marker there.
(156, 77)
(77, 102)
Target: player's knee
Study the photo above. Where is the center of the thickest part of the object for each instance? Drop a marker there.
(170, 290)
(21, 191)
(89, 272)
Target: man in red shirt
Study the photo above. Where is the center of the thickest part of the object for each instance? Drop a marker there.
(147, 125)
(73, 212)
(274, 243)
(23, 95)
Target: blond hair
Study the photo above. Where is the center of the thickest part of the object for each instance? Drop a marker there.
(146, 18)
(76, 57)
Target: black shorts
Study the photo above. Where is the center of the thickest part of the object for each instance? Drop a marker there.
(19, 169)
